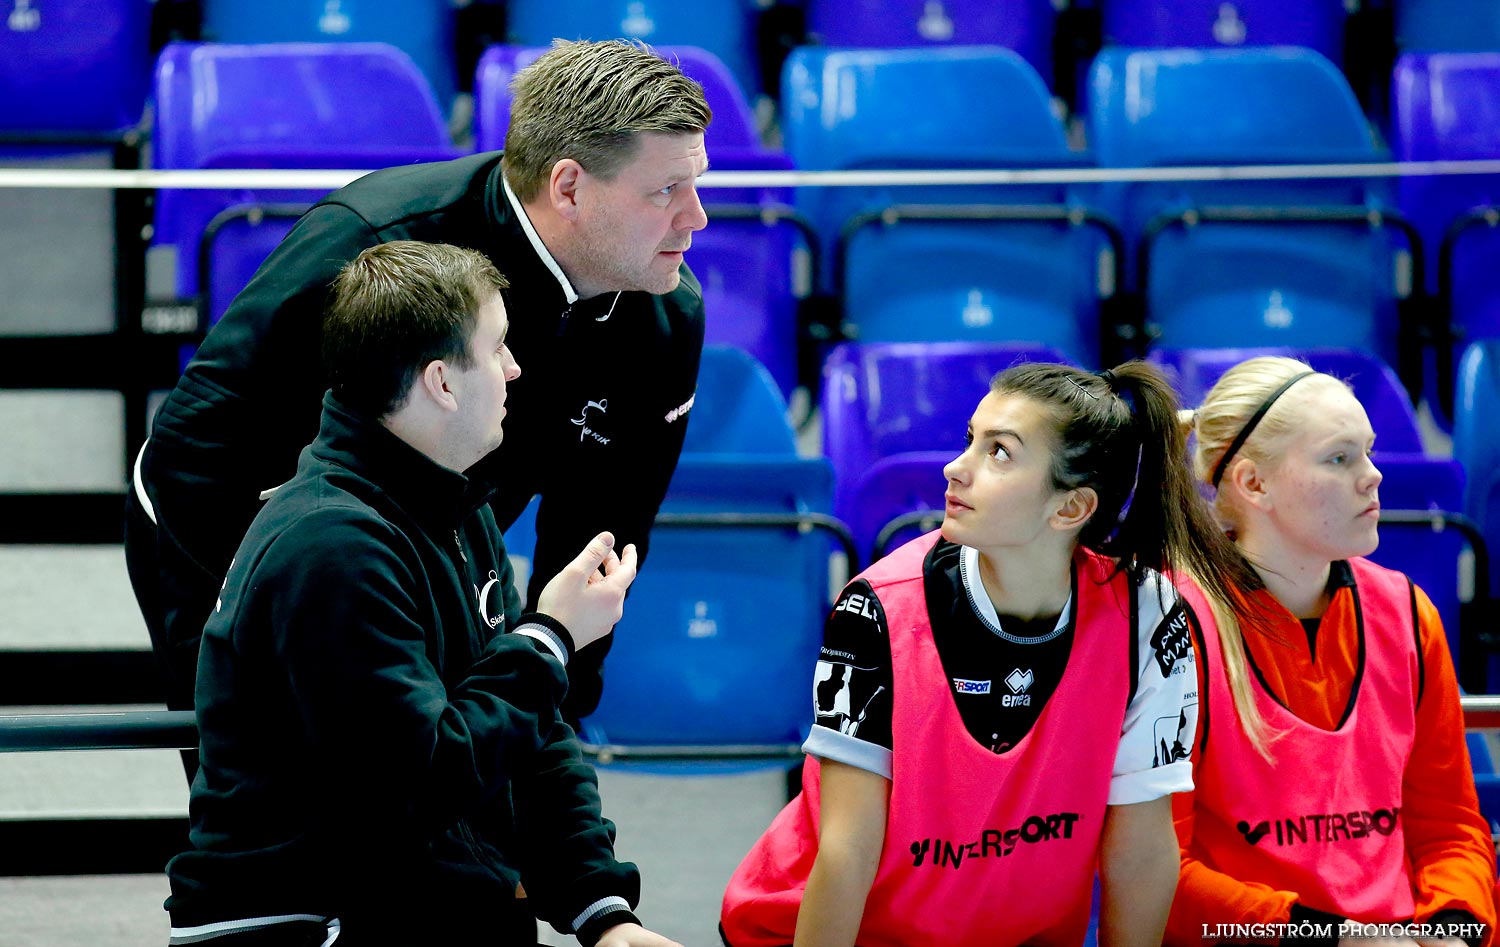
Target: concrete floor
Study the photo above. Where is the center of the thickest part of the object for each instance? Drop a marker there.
(687, 834)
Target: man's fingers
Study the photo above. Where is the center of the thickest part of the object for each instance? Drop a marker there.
(627, 565)
(598, 549)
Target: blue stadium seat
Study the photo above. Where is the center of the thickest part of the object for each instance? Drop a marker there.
(723, 27)
(895, 413)
(1430, 555)
(75, 66)
(978, 264)
(1451, 25)
(1315, 24)
(722, 627)
(1306, 263)
(423, 29)
(1022, 25)
(292, 105)
(1195, 371)
(746, 258)
(1446, 107)
(1476, 440)
(737, 408)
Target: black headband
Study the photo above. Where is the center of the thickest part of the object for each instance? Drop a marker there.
(1239, 439)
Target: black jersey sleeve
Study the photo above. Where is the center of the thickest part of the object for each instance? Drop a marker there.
(852, 684)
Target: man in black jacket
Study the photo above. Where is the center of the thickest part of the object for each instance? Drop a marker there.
(381, 746)
(587, 213)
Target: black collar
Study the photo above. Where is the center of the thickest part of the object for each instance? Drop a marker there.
(515, 256)
(1340, 575)
(439, 499)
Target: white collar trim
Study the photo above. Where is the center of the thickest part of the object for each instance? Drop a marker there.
(979, 600)
(536, 243)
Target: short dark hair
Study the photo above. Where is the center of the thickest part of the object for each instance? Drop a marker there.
(396, 308)
(588, 101)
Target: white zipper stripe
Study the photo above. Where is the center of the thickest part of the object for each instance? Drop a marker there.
(202, 932)
(602, 906)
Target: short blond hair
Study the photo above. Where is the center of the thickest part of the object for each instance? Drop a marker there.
(1235, 398)
(588, 101)
(1225, 411)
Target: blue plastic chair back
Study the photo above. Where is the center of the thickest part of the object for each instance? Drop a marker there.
(749, 268)
(1452, 25)
(722, 619)
(1222, 284)
(733, 124)
(293, 105)
(723, 27)
(423, 29)
(893, 487)
(1432, 557)
(1188, 107)
(737, 408)
(1307, 286)
(1446, 107)
(1476, 441)
(1376, 387)
(1028, 283)
(1315, 24)
(951, 107)
(74, 66)
(884, 400)
(1022, 25)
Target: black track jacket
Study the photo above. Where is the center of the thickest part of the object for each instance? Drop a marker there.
(375, 744)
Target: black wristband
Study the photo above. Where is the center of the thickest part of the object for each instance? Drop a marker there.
(553, 625)
(595, 927)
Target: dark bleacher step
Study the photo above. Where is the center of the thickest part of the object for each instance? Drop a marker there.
(62, 518)
(53, 678)
(90, 846)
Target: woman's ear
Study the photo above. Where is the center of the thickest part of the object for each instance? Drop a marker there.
(1246, 484)
(1077, 507)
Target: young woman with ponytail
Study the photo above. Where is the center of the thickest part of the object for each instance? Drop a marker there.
(1005, 705)
(1332, 778)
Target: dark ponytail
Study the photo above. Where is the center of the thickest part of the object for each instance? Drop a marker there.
(1118, 434)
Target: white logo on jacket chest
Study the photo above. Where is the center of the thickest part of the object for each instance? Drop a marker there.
(491, 603)
(582, 421)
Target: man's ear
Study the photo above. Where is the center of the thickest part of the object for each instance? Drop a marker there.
(562, 187)
(432, 384)
(1076, 508)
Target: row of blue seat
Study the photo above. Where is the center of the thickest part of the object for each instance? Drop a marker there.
(1034, 262)
(1023, 266)
(62, 36)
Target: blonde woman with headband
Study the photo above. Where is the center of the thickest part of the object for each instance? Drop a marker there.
(1332, 781)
